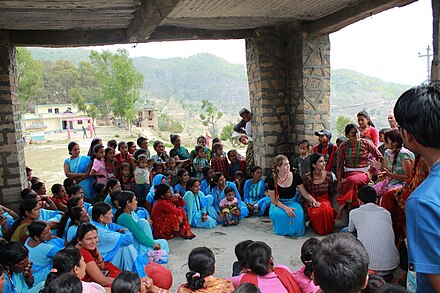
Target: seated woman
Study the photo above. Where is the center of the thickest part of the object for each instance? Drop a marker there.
(77, 216)
(46, 201)
(199, 207)
(75, 201)
(169, 218)
(201, 262)
(263, 272)
(151, 198)
(29, 211)
(140, 228)
(254, 192)
(42, 248)
(70, 260)
(319, 184)
(218, 193)
(14, 257)
(115, 242)
(179, 153)
(396, 165)
(97, 270)
(353, 168)
(286, 213)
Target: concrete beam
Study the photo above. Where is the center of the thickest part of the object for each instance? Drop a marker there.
(435, 68)
(352, 14)
(148, 17)
(68, 38)
(173, 33)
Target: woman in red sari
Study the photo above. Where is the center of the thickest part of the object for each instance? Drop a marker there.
(319, 183)
(353, 168)
(169, 218)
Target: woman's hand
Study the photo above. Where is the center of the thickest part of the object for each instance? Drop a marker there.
(289, 212)
(156, 246)
(27, 273)
(316, 204)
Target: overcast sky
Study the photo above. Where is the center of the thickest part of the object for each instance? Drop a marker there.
(386, 45)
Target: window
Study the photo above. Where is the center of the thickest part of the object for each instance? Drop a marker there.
(49, 110)
(80, 122)
(70, 109)
(57, 111)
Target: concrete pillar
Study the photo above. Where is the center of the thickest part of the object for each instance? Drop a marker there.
(289, 87)
(435, 68)
(12, 165)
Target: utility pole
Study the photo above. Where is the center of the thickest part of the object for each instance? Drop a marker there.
(428, 62)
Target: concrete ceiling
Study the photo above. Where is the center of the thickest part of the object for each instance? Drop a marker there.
(98, 22)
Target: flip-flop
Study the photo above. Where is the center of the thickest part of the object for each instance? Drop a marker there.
(225, 225)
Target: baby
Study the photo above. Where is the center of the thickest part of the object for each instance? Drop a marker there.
(228, 206)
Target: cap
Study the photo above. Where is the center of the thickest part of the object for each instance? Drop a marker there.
(160, 275)
(324, 132)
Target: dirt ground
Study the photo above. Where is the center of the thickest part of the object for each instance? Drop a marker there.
(46, 160)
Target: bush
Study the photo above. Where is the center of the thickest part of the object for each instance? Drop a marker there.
(166, 123)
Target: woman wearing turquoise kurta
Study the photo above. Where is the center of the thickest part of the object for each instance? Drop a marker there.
(78, 167)
(42, 248)
(254, 192)
(198, 208)
(286, 213)
(143, 237)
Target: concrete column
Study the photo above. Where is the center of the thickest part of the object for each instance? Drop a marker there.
(435, 68)
(289, 87)
(12, 165)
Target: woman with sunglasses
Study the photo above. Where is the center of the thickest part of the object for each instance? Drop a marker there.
(353, 168)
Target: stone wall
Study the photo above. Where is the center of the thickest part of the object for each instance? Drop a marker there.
(12, 165)
(289, 88)
(435, 68)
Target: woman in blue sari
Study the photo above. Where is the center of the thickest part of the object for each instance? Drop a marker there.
(286, 213)
(198, 208)
(78, 167)
(254, 192)
(218, 194)
(116, 242)
(42, 248)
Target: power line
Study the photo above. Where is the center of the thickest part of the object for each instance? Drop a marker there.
(428, 62)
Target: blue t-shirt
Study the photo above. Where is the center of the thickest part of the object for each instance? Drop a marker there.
(423, 230)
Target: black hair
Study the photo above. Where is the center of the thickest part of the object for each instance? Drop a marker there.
(255, 168)
(74, 189)
(12, 253)
(67, 183)
(394, 136)
(341, 264)
(123, 165)
(375, 282)
(120, 144)
(112, 143)
(161, 190)
(229, 189)
(180, 173)
(37, 185)
(216, 177)
(367, 194)
(126, 282)
(35, 179)
(201, 262)
(258, 255)
(36, 228)
(130, 144)
(173, 138)
(156, 144)
(123, 199)
(205, 170)
(75, 216)
(112, 182)
(83, 229)
(63, 262)
(106, 151)
(418, 112)
(201, 136)
(114, 196)
(215, 147)
(71, 202)
(341, 139)
(308, 250)
(240, 252)
(383, 130)
(365, 114)
(247, 288)
(191, 182)
(313, 159)
(100, 209)
(349, 127)
(198, 148)
(304, 141)
(27, 205)
(2, 269)
(139, 152)
(244, 111)
(140, 140)
(98, 187)
(25, 192)
(63, 283)
(391, 288)
(56, 188)
(216, 140)
(96, 148)
(70, 146)
(238, 173)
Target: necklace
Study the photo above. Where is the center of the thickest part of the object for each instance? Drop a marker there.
(358, 150)
(281, 181)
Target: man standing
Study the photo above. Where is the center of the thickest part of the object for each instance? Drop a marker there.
(326, 148)
(417, 113)
(245, 127)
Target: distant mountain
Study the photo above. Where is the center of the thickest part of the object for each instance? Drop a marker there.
(206, 76)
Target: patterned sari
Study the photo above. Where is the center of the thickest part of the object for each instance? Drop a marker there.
(80, 164)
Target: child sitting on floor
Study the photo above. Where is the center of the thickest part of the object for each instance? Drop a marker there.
(303, 276)
(228, 206)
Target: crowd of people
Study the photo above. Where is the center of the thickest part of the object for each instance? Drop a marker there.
(120, 204)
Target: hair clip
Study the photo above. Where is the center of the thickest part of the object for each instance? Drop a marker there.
(27, 233)
(196, 276)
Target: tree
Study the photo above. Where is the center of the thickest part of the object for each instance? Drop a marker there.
(29, 76)
(227, 132)
(210, 116)
(120, 83)
(341, 122)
